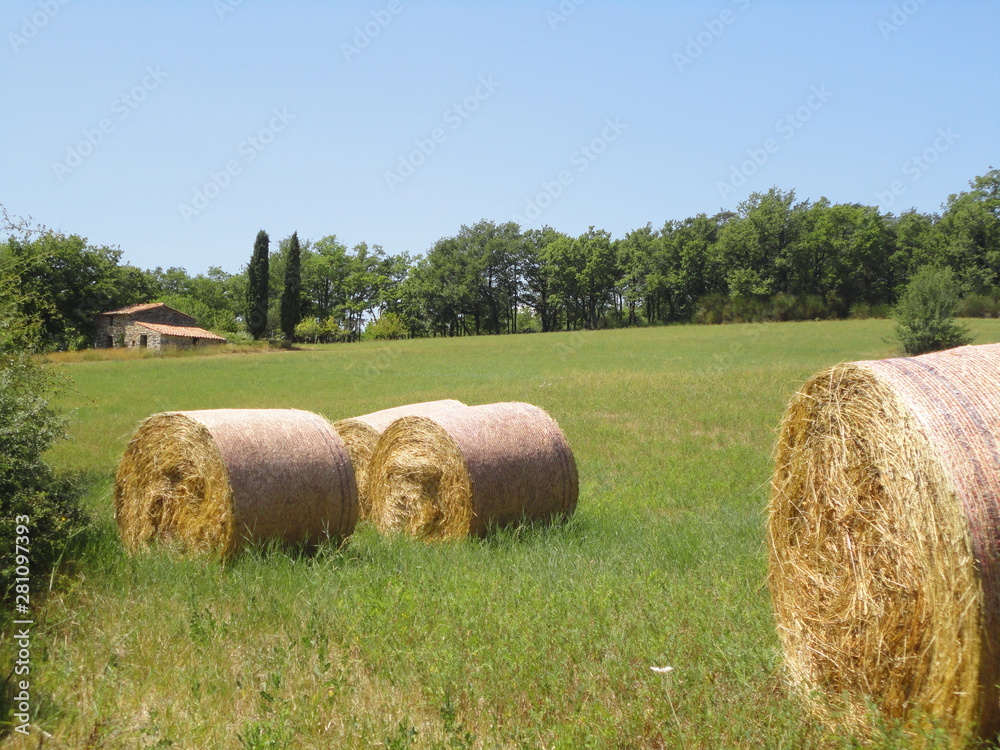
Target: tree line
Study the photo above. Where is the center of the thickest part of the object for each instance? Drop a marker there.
(774, 258)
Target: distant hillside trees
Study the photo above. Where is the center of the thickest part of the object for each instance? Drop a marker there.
(775, 257)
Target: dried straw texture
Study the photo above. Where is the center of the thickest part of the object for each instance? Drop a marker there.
(884, 524)
(361, 433)
(469, 470)
(216, 480)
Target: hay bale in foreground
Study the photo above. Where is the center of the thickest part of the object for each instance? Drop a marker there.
(469, 470)
(884, 524)
(361, 433)
(215, 480)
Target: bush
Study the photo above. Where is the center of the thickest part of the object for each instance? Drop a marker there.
(860, 311)
(389, 326)
(979, 306)
(926, 310)
(311, 330)
(717, 308)
(32, 498)
(527, 321)
(35, 506)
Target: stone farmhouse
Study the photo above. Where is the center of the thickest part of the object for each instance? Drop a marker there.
(151, 326)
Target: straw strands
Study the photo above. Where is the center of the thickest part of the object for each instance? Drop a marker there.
(361, 433)
(468, 470)
(215, 480)
(884, 525)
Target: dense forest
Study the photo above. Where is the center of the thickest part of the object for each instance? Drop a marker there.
(774, 258)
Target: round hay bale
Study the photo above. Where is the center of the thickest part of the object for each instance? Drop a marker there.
(218, 479)
(361, 433)
(469, 470)
(884, 525)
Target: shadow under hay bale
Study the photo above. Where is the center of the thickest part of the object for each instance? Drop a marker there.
(884, 525)
(361, 433)
(216, 480)
(469, 470)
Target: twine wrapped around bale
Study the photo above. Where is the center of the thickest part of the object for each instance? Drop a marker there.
(218, 479)
(361, 433)
(884, 524)
(469, 470)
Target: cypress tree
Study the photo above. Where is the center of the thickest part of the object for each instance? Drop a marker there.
(291, 295)
(256, 312)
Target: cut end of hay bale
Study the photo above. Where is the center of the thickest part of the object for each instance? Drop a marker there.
(361, 433)
(216, 480)
(872, 570)
(470, 470)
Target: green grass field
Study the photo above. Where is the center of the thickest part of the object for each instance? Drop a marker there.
(531, 639)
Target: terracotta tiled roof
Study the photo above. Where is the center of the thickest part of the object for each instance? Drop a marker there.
(139, 308)
(191, 332)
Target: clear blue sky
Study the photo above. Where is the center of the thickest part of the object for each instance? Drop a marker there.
(394, 122)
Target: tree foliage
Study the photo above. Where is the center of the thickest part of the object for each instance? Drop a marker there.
(291, 293)
(63, 283)
(257, 287)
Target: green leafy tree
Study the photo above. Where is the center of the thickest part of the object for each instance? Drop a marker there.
(362, 286)
(65, 282)
(394, 271)
(636, 253)
(925, 314)
(916, 241)
(843, 254)
(445, 282)
(291, 294)
(324, 272)
(565, 262)
(216, 299)
(257, 287)
(495, 255)
(753, 246)
(682, 269)
(970, 229)
(600, 274)
(538, 276)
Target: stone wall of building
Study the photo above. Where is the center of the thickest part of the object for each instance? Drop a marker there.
(142, 337)
(107, 334)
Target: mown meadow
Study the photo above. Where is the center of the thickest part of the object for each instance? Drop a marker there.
(534, 638)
